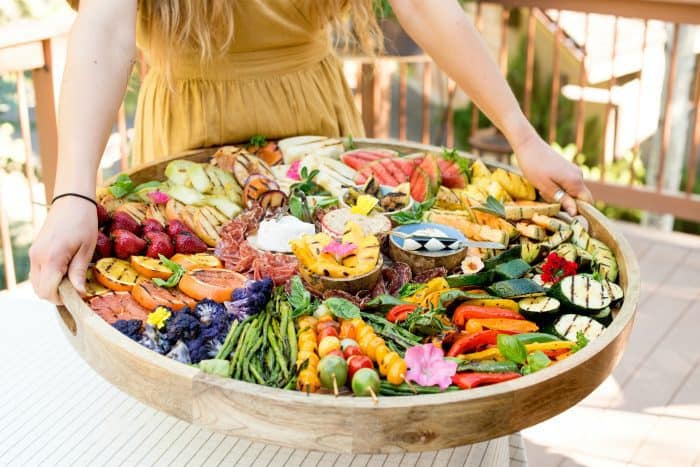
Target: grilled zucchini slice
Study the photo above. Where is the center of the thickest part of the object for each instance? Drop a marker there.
(568, 326)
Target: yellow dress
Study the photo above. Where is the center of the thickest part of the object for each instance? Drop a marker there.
(280, 78)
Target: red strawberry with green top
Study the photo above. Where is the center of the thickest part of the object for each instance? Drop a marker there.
(123, 221)
(102, 215)
(127, 244)
(175, 227)
(103, 247)
(189, 244)
(159, 243)
(151, 225)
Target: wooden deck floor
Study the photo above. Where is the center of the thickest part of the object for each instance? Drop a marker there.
(55, 410)
(648, 412)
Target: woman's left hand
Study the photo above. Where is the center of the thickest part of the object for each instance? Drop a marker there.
(549, 172)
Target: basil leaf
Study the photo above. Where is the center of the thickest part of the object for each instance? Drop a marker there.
(299, 297)
(342, 308)
(415, 215)
(174, 279)
(384, 302)
(409, 289)
(511, 348)
(122, 186)
(492, 206)
(536, 361)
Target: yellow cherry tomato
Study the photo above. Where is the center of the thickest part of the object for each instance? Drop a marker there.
(397, 372)
(305, 355)
(381, 352)
(307, 345)
(360, 333)
(307, 322)
(372, 347)
(308, 381)
(358, 323)
(386, 363)
(347, 330)
(328, 345)
(365, 340)
(325, 318)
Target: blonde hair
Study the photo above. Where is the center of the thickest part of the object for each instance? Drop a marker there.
(192, 22)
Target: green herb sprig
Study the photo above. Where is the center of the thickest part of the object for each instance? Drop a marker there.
(174, 279)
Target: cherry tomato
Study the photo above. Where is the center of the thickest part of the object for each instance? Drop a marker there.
(345, 343)
(352, 350)
(337, 353)
(325, 332)
(366, 383)
(386, 363)
(327, 345)
(305, 355)
(381, 352)
(356, 362)
(324, 324)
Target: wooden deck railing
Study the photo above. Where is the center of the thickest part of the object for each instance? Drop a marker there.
(38, 48)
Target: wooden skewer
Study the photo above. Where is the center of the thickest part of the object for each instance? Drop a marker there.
(335, 385)
(374, 396)
(412, 387)
(307, 390)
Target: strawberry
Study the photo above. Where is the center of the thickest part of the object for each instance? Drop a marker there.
(123, 221)
(159, 244)
(102, 215)
(103, 247)
(151, 225)
(176, 227)
(127, 244)
(189, 244)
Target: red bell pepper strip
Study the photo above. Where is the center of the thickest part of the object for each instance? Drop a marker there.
(400, 312)
(555, 353)
(472, 380)
(467, 343)
(466, 312)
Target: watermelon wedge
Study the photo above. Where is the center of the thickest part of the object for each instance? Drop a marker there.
(430, 166)
(452, 176)
(359, 157)
(407, 165)
(389, 172)
(421, 185)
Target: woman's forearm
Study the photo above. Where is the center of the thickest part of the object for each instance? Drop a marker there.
(445, 32)
(101, 51)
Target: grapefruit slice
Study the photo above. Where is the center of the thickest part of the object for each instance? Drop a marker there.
(114, 306)
(150, 296)
(116, 274)
(216, 284)
(150, 267)
(199, 260)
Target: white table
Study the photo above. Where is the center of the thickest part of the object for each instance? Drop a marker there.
(55, 410)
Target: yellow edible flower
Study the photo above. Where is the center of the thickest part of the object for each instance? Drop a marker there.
(159, 317)
(364, 205)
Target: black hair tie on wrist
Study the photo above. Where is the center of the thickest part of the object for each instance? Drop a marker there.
(77, 195)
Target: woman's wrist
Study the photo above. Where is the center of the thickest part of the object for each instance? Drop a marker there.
(518, 130)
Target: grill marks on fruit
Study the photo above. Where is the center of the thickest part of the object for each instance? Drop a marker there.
(116, 274)
(137, 211)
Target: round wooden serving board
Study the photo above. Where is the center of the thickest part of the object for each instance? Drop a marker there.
(351, 424)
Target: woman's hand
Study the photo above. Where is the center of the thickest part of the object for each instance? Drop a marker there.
(65, 243)
(549, 172)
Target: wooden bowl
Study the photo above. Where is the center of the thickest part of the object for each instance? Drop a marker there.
(351, 285)
(421, 261)
(350, 424)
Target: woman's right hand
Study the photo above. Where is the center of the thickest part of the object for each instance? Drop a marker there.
(65, 244)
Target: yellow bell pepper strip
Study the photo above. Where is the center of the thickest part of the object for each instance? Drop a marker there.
(439, 284)
(505, 324)
(488, 354)
(495, 303)
(545, 346)
(364, 205)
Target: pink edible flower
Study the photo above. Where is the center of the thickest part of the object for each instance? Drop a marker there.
(339, 250)
(293, 171)
(427, 366)
(158, 197)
